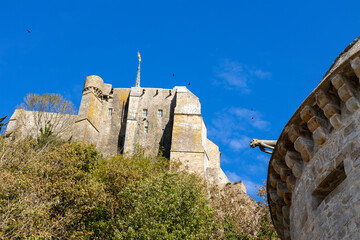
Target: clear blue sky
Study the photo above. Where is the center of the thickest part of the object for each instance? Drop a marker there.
(238, 55)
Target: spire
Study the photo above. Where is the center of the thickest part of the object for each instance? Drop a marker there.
(137, 84)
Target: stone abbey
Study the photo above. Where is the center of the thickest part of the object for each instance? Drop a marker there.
(117, 120)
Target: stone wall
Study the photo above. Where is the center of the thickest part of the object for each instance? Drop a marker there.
(28, 123)
(314, 172)
(150, 115)
(117, 120)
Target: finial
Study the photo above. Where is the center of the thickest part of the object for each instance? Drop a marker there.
(137, 83)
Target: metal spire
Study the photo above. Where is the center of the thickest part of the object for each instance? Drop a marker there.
(137, 83)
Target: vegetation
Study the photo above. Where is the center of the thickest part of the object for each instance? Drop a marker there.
(48, 113)
(240, 217)
(69, 191)
(53, 189)
(1, 122)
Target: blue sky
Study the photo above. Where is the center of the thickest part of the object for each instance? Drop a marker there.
(238, 55)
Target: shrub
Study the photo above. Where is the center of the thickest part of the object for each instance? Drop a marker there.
(69, 191)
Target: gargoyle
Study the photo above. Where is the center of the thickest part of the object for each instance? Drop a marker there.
(263, 144)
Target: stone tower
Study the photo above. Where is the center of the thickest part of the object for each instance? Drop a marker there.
(313, 181)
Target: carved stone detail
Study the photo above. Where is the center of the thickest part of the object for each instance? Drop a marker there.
(345, 92)
(355, 65)
(305, 147)
(294, 162)
(315, 123)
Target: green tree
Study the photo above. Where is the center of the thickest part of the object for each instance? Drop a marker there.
(167, 206)
(47, 115)
(69, 191)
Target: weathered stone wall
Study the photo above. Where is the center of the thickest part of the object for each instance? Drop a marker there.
(326, 201)
(150, 117)
(314, 172)
(116, 120)
(112, 120)
(101, 115)
(213, 153)
(28, 123)
(188, 132)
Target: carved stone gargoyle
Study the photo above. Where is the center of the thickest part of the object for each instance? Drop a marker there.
(264, 145)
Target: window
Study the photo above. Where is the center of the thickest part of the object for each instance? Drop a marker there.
(146, 126)
(110, 112)
(145, 112)
(328, 185)
(163, 131)
(160, 113)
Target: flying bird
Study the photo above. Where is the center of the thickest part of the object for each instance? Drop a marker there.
(189, 84)
(173, 74)
(28, 30)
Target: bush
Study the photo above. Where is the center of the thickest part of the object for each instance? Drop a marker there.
(69, 191)
(52, 194)
(168, 206)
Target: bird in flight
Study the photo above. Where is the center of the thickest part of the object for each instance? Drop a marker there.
(189, 84)
(173, 74)
(28, 30)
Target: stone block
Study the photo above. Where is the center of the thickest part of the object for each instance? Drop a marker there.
(296, 131)
(315, 122)
(319, 136)
(290, 182)
(281, 189)
(335, 121)
(305, 147)
(278, 165)
(355, 64)
(307, 113)
(322, 98)
(282, 149)
(330, 110)
(276, 198)
(284, 173)
(274, 179)
(352, 104)
(349, 129)
(345, 93)
(337, 81)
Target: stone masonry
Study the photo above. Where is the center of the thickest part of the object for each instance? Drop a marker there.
(117, 120)
(313, 180)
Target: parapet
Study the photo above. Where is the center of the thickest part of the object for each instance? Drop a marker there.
(96, 83)
(186, 102)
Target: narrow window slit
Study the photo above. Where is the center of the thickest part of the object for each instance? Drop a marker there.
(146, 126)
(110, 112)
